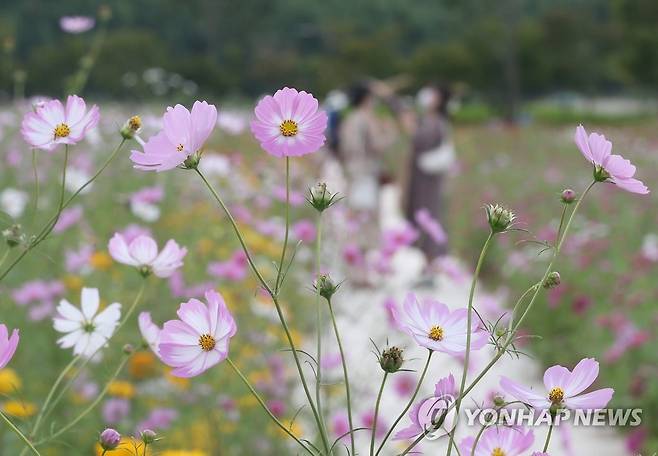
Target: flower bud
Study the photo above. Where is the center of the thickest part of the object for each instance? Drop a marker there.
(192, 161)
(568, 196)
(145, 271)
(13, 235)
(499, 217)
(131, 127)
(109, 439)
(391, 360)
(498, 400)
(325, 286)
(128, 349)
(552, 280)
(148, 436)
(321, 198)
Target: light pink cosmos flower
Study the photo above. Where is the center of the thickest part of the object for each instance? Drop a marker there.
(150, 332)
(289, 123)
(236, 268)
(608, 167)
(431, 226)
(200, 339)
(424, 414)
(507, 441)
(76, 24)
(51, 123)
(7, 345)
(434, 326)
(184, 134)
(142, 252)
(564, 388)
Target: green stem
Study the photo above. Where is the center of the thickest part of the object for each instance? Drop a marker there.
(548, 437)
(469, 322)
(4, 256)
(409, 404)
(49, 397)
(91, 406)
(318, 383)
(477, 439)
(45, 231)
(512, 334)
(19, 433)
(277, 305)
(264, 406)
(279, 274)
(374, 420)
(345, 376)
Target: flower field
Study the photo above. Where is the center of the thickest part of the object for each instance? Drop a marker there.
(84, 364)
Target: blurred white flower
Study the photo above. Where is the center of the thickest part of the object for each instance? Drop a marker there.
(76, 178)
(13, 202)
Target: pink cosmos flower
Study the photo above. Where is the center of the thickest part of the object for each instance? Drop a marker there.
(434, 326)
(7, 345)
(608, 167)
(184, 134)
(564, 388)
(305, 231)
(76, 24)
(68, 218)
(51, 123)
(501, 440)
(430, 409)
(200, 339)
(150, 332)
(289, 123)
(142, 252)
(236, 268)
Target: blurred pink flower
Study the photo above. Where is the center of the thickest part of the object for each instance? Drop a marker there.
(38, 290)
(304, 230)
(76, 24)
(51, 123)
(200, 339)
(133, 231)
(77, 261)
(68, 218)
(627, 336)
(142, 252)
(564, 388)
(289, 123)
(395, 238)
(611, 168)
(236, 268)
(340, 425)
(430, 226)
(507, 440)
(184, 133)
(159, 419)
(115, 410)
(353, 255)
(434, 326)
(8, 345)
(636, 439)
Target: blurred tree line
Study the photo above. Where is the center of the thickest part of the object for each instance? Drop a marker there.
(501, 50)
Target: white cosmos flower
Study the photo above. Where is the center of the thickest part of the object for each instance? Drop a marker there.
(86, 330)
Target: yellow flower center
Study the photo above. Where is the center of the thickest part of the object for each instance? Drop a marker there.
(62, 131)
(556, 395)
(497, 452)
(180, 148)
(207, 342)
(436, 333)
(288, 128)
(135, 123)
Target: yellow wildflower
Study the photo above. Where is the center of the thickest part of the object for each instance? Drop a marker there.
(101, 260)
(122, 389)
(19, 409)
(142, 365)
(9, 381)
(73, 282)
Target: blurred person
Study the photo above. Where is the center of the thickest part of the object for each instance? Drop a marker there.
(432, 156)
(363, 138)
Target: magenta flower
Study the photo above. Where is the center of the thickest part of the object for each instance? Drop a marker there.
(51, 123)
(142, 252)
(430, 226)
(7, 345)
(76, 24)
(289, 123)
(434, 326)
(184, 134)
(499, 441)
(564, 388)
(200, 339)
(424, 414)
(608, 167)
